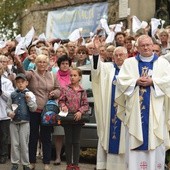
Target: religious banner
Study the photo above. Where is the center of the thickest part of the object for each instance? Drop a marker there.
(62, 22)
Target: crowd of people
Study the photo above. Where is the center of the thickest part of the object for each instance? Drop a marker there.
(130, 82)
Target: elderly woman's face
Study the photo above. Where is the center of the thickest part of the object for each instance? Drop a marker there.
(42, 65)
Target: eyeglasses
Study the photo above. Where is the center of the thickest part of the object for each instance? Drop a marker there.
(81, 52)
(145, 45)
(119, 55)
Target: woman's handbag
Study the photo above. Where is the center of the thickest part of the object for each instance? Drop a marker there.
(69, 119)
(49, 115)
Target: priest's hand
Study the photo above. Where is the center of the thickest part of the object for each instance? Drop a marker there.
(144, 81)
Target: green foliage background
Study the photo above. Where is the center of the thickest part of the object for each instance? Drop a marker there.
(11, 12)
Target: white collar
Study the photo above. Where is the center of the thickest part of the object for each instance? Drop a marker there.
(146, 59)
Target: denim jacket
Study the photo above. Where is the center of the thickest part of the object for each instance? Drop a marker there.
(23, 110)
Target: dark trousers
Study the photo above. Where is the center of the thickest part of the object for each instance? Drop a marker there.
(4, 138)
(72, 143)
(36, 131)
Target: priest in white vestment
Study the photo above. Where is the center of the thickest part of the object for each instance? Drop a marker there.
(144, 107)
(111, 132)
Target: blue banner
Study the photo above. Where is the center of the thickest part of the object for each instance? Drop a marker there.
(61, 23)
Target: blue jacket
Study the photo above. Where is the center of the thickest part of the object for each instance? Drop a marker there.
(23, 110)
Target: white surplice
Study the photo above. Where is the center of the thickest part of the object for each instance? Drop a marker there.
(102, 78)
(159, 114)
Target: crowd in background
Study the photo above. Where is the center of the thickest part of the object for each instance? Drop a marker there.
(42, 57)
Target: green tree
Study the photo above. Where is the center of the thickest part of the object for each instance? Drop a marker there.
(11, 13)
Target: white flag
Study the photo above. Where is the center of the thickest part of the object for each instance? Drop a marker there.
(75, 35)
(110, 37)
(144, 24)
(136, 24)
(56, 46)
(154, 25)
(20, 48)
(29, 36)
(42, 37)
(105, 26)
(118, 27)
(18, 38)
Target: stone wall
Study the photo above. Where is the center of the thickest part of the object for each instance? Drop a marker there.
(36, 19)
(37, 15)
(144, 10)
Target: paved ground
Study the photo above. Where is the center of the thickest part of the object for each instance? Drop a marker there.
(39, 166)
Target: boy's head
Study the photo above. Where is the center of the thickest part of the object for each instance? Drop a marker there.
(21, 81)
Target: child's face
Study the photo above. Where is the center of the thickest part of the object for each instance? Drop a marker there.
(21, 84)
(74, 77)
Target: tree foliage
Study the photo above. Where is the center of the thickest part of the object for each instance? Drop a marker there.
(10, 15)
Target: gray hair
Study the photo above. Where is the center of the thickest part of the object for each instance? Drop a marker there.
(142, 37)
(124, 50)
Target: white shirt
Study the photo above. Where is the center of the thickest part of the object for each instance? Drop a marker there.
(7, 89)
